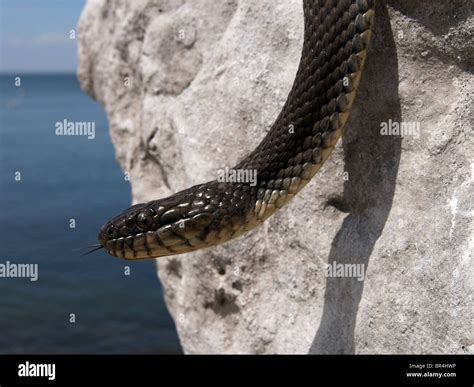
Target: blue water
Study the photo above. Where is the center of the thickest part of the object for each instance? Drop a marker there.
(63, 178)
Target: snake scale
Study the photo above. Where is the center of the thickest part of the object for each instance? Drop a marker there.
(337, 34)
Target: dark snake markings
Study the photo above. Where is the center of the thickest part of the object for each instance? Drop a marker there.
(337, 34)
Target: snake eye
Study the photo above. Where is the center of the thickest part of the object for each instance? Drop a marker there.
(144, 220)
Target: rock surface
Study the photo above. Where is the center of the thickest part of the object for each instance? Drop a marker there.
(191, 86)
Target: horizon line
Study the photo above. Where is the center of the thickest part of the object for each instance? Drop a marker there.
(38, 72)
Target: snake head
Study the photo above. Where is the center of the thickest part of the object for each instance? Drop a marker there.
(158, 228)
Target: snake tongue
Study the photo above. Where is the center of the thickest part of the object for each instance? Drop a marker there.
(92, 249)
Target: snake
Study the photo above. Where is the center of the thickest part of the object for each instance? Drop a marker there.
(337, 35)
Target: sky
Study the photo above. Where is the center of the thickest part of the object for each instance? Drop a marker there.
(34, 35)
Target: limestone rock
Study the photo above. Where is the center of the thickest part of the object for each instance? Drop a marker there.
(191, 86)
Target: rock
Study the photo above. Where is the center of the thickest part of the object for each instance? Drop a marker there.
(192, 86)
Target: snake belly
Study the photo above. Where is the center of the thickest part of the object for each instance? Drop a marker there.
(337, 35)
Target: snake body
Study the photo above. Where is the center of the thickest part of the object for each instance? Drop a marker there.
(337, 35)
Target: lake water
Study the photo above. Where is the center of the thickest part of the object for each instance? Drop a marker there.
(64, 178)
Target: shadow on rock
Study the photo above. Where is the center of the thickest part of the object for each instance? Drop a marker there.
(372, 163)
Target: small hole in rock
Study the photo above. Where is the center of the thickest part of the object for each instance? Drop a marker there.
(237, 285)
